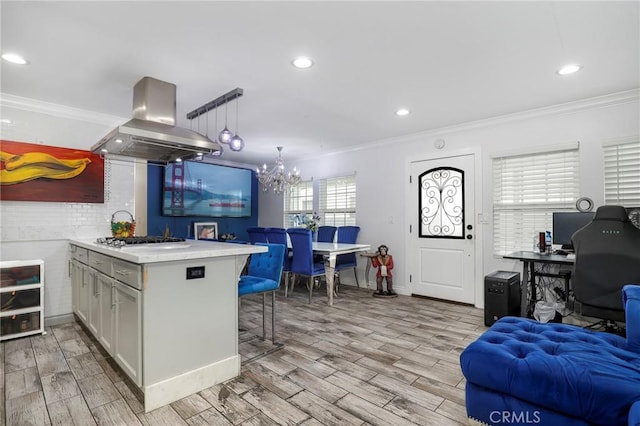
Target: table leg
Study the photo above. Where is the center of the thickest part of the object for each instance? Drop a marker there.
(329, 270)
(524, 290)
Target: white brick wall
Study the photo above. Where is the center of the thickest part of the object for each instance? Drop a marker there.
(38, 230)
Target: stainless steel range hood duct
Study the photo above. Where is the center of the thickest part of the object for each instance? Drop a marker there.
(152, 134)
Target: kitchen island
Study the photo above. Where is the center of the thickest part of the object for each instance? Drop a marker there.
(166, 313)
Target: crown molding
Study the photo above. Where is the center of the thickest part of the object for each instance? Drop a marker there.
(57, 110)
(618, 98)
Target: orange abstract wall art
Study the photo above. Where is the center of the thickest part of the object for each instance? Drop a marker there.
(32, 172)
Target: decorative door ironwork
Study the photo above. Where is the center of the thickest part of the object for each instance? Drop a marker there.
(441, 203)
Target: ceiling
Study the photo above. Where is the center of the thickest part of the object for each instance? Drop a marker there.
(447, 62)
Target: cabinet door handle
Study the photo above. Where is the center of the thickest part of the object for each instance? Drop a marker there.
(123, 272)
(113, 298)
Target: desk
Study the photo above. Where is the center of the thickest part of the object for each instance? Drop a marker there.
(330, 251)
(529, 260)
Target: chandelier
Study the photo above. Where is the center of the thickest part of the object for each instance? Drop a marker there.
(276, 178)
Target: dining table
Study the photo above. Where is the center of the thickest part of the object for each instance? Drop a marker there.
(330, 251)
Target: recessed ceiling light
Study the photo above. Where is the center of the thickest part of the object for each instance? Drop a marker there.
(14, 59)
(403, 111)
(5, 121)
(302, 62)
(569, 69)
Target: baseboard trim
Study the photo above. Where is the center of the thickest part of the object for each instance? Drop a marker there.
(58, 319)
(165, 392)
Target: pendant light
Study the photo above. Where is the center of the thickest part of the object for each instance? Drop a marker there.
(225, 135)
(236, 143)
(215, 130)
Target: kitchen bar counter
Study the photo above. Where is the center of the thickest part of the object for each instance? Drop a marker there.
(167, 313)
(168, 252)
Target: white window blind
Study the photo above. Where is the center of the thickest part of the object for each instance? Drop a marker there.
(337, 201)
(298, 202)
(622, 173)
(527, 189)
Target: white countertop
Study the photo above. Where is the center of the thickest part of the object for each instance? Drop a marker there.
(153, 253)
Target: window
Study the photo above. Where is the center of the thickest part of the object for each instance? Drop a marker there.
(298, 202)
(622, 173)
(337, 201)
(527, 189)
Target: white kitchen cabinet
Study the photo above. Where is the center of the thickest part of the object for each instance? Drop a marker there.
(81, 283)
(94, 303)
(109, 306)
(75, 272)
(21, 298)
(106, 288)
(128, 331)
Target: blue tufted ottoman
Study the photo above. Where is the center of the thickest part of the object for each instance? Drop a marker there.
(523, 372)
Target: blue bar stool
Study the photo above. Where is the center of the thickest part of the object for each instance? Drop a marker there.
(265, 270)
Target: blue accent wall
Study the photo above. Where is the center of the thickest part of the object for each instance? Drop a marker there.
(183, 226)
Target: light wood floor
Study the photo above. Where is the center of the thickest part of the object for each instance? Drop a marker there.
(364, 361)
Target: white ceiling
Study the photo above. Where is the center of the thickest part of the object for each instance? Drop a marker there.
(448, 62)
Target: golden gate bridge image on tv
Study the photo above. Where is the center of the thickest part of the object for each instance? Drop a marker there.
(212, 190)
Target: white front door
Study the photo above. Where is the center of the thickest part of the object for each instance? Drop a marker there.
(442, 228)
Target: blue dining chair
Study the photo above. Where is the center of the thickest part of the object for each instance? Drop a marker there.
(256, 234)
(302, 262)
(326, 234)
(347, 234)
(264, 274)
(279, 236)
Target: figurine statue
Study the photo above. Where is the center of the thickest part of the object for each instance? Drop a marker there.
(384, 262)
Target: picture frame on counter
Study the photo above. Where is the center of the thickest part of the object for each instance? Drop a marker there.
(205, 230)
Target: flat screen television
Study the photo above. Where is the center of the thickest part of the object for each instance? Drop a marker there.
(207, 190)
(566, 223)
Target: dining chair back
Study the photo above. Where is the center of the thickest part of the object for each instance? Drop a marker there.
(256, 234)
(347, 234)
(302, 262)
(264, 274)
(279, 236)
(326, 234)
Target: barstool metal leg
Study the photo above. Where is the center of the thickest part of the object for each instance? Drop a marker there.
(273, 317)
(264, 324)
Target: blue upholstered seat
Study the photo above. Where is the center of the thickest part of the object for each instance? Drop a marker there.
(302, 262)
(347, 234)
(265, 270)
(564, 373)
(249, 284)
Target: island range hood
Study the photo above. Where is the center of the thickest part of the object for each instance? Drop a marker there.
(152, 134)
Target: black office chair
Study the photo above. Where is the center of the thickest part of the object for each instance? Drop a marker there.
(607, 257)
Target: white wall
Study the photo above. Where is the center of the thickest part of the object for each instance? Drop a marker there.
(37, 230)
(382, 169)
(33, 230)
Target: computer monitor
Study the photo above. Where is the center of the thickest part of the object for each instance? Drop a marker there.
(566, 223)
